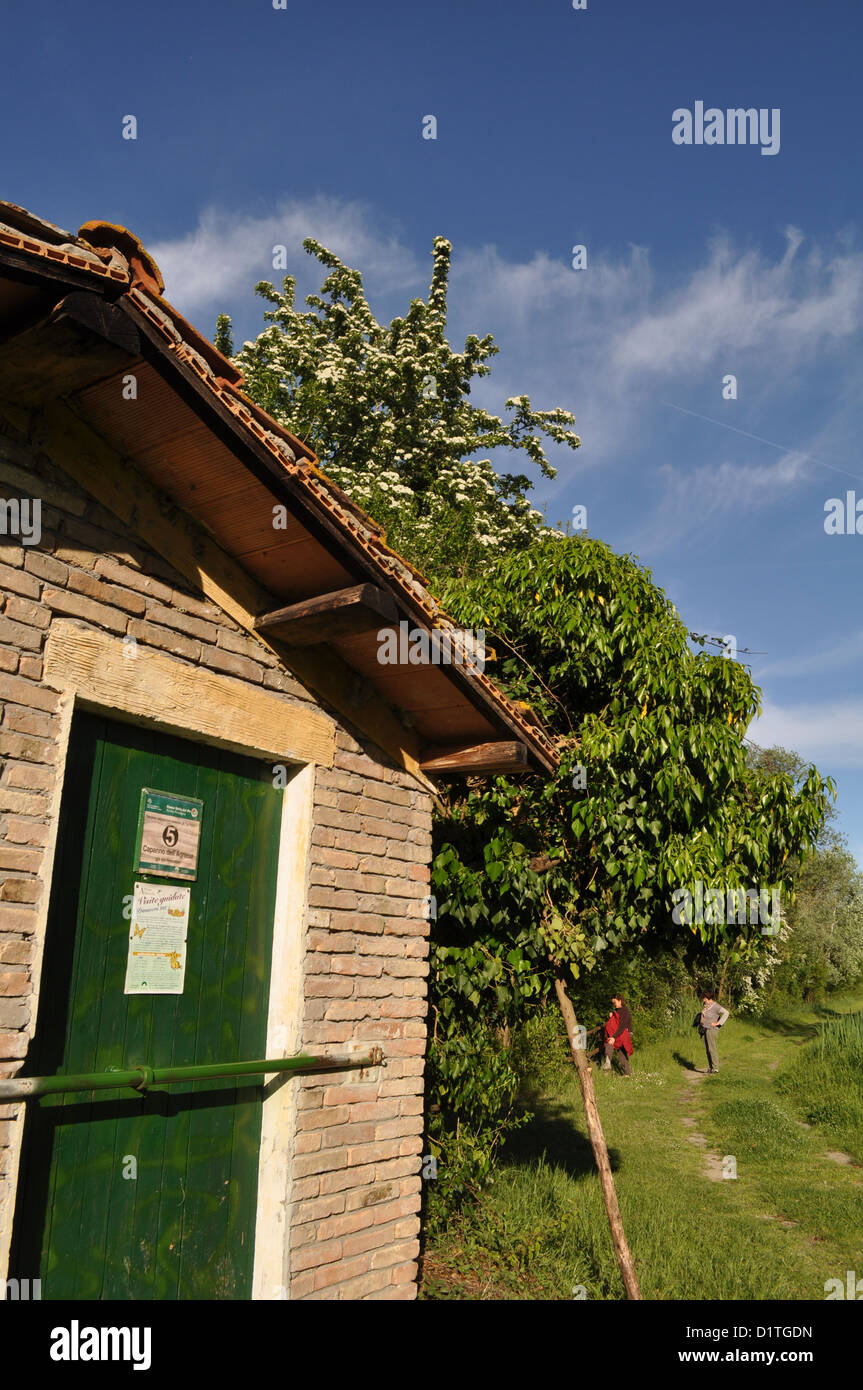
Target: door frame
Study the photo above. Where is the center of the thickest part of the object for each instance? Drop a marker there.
(196, 723)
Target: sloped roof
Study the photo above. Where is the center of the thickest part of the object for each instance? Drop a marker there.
(92, 307)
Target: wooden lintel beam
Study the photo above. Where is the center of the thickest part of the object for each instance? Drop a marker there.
(360, 608)
(477, 758)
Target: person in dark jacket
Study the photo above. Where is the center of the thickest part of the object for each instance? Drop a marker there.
(618, 1035)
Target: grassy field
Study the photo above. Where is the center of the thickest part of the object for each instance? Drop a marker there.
(786, 1107)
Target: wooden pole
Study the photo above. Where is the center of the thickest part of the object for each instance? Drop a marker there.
(597, 1139)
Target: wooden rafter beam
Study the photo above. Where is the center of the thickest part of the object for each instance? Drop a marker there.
(360, 608)
(477, 758)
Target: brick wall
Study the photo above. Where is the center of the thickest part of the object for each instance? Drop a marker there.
(356, 1163)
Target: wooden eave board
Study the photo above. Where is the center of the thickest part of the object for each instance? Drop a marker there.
(438, 709)
(180, 455)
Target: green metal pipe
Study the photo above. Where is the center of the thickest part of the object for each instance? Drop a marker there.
(141, 1077)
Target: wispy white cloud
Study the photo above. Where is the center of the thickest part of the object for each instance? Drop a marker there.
(609, 343)
(829, 733)
(222, 258)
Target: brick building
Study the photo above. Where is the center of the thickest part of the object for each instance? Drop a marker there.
(192, 712)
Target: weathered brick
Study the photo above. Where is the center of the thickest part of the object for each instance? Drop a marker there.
(14, 983)
(24, 610)
(129, 578)
(16, 952)
(281, 681)
(20, 890)
(347, 1269)
(324, 1161)
(31, 667)
(355, 923)
(342, 1178)
(77, 606)
(401, 1208)
(28, 721)
(332, 897)
(13, 1045)
(33, 777)
(26, 832)
(347, 1223)
(366, 1240)
(405, 1126)
(18, 581)
(183, 622)
(306, 1187)
(200, 608)
(397, 1293)
(46, 567)
(371, 1196)
(82, 583)
(341, 1009)
(22, 803)
(385, 946)
(326, 986)
(323, 1117)
(373, 1110)
(315, 1033)
(20, 746)
(22, 692)
(164, 638)
(403, 1008)
(14, 1014)
(376, 988)
(242, 645)
(350, 839)
(337, 859)
(303, 1284)
(351, 1133)
(308, 1142)
(8, 660)
(12, 554)
(405, 1274)
(233, 665)
(399, 1253)
(17, 919)
(377, 1281)
(321, 1253)
(319, 1208)
(303, 1235)
(354, 965)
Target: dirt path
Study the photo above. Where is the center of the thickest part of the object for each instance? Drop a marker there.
(712, 1162)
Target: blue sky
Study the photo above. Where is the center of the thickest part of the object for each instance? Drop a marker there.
(259, 126)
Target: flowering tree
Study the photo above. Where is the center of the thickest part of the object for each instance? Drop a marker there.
(386, 410)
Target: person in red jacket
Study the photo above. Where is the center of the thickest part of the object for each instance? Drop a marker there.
(618, 1035)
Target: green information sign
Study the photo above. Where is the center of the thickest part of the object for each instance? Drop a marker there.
(169, 833)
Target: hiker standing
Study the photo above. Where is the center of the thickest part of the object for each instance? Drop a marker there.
(710, 1020)
(618, 1035)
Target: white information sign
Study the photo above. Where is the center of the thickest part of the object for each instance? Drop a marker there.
(156, 963)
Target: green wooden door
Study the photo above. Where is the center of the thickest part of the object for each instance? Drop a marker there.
(149, 1196)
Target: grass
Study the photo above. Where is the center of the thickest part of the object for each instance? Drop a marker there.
(825, 1082)
(790, 1221)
